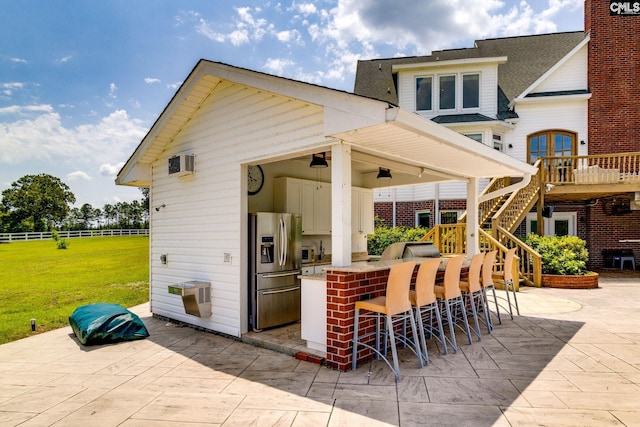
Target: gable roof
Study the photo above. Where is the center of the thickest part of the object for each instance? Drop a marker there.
(528, 58)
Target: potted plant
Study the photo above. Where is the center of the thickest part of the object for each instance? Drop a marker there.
(564, 261)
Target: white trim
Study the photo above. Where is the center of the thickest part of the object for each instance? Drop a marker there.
(553, 98)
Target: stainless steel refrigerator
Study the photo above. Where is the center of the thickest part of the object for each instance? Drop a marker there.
(275, 245)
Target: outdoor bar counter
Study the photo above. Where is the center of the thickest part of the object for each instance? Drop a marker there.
(344, 287)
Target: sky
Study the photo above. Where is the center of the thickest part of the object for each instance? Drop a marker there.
(82, 81)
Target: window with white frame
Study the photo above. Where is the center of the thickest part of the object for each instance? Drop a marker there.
(423, 219)
(447, 88)
(453, 92)
(424, 93)
(498, 145)
(470, 91)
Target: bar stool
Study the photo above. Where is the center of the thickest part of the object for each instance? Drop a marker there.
(472, 293)
(449, 296)
(505, 278)
(424, 302)
(487, 284)
(394, 307)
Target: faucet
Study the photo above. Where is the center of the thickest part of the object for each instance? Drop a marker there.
(321, 250)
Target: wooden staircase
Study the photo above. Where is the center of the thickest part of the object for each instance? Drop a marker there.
(499, 218)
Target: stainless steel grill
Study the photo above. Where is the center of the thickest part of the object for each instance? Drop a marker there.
(402, 250)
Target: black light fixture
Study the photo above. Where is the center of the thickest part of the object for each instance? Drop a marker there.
(384, 173)
(319, 160)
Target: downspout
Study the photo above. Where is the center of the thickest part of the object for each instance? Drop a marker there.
(436, 205)
(394, 207)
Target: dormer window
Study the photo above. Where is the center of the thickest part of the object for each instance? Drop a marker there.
(424, 91)
(449, 98)
(448, 92)
(470, 90)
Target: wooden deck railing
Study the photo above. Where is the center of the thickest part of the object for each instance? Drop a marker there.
(450, 239)
(595, 169)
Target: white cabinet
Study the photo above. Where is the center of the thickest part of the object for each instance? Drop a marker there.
(310, 198)
(287, 195)
(361, 211)
(322, 218)
(313, 313)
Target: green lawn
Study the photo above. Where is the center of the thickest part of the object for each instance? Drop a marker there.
(45, 283)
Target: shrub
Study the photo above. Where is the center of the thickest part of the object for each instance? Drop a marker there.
(384, 236)
(61, 243)
(564, 255)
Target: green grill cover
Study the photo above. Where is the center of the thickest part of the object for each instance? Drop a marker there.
(106, 323)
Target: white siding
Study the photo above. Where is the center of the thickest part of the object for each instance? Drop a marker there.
(571, 75)
(488, 88)
(202, 216)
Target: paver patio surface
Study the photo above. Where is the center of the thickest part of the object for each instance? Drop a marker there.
(572, 358)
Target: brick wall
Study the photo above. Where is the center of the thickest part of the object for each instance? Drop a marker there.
(406, 211)
(614, 80)
(343, 290)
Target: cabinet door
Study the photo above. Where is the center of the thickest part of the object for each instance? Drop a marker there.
(366, 211)
(323, 208)
(287, 195)
(308, 207)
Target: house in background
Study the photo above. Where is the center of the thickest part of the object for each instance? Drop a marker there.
(565, 102)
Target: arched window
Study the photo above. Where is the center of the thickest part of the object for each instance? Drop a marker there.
(550, 143)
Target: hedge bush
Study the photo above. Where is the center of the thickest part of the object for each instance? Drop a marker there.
(384, 236)
(563, 255)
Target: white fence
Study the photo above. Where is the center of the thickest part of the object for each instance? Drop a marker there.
(45, 235)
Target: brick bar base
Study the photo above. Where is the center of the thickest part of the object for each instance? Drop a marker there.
(343, 290)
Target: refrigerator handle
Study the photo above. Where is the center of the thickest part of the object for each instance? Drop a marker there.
(285, 239)
(281, 241)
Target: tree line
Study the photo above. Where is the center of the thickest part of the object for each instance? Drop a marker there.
(43, 203)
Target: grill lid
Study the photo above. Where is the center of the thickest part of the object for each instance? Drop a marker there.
(401, 250)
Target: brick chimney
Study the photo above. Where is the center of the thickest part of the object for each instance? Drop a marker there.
(614, 79)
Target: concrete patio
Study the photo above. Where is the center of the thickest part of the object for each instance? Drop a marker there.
(571, 359)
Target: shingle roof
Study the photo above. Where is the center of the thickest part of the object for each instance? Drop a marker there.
(528, 58)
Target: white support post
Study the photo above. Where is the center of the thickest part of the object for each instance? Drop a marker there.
(341, 205)
(472, 217)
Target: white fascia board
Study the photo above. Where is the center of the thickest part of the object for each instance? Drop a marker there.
(554, 99)
(550, 71)
(450, 63)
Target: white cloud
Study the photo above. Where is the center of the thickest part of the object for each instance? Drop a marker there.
(107, 169)
(78, 175)
(151, 80)
(9, 88)
(18, 60)
(25, 109)
(45, 138)
(112, 90)
(246, 28)
(306, 8)
(174, 85)
(64, 59)
(278, 66)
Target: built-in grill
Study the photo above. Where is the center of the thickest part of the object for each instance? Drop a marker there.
(402, 250)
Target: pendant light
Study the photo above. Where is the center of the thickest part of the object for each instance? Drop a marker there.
(384, 173)
(319, 160)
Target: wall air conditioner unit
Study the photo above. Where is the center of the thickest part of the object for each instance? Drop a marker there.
(181, 165)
